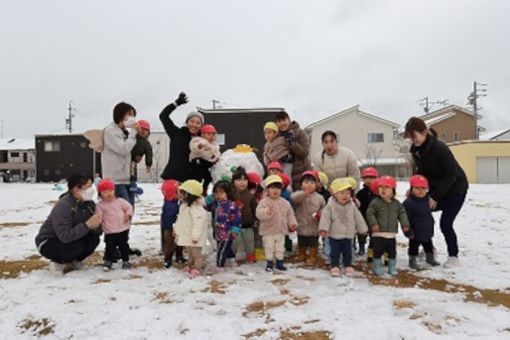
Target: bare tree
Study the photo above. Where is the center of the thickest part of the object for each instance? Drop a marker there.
(402, 147)
(372, 154)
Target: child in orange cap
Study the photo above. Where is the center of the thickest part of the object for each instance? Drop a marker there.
(276, 148)
(169, 214)
(142, 148)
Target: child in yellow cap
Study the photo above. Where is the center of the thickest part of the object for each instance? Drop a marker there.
(276, 148)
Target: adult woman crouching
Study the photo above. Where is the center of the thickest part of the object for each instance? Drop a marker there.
(447, 180)
(71, 231)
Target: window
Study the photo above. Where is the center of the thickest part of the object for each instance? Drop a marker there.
(220, 139)
(375, 137)
(443, 137)
(456, 136)
(15, 154)
(52, 146)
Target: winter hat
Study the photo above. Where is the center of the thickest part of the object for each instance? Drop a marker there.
(387, 181)
(195, 114)
(274, 166)
(105, 184)
(352, 182)
(192, 187)
(253, 177)
(285, 179)
(374, 186)
(419, 181)
(323, 178)
(271, 126)
(339, 184)
(144, 124)
(169, 189)
(207, 128)
(272, 180)
(312, 173)
(370, 172)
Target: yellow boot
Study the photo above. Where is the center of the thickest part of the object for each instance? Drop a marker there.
(301, 254)
(312, 258)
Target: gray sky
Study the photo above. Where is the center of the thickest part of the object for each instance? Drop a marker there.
(312, 57)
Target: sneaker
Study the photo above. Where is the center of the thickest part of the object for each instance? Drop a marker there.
(135, 251)
(334, 272)
(181, 259)
(280, 266)
(349, 271)
(56, 268)
(107, 265)
(452, 262)
(194, 273)
(126, 265)
(168, 264)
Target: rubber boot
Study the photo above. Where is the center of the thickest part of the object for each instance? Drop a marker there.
(280, 266)
(288, 244)
(392, 267)
(269, 266)
(377, 263)
(430, 259)
(370, 254)
(301, 255)
(312, 258)
(412, 262)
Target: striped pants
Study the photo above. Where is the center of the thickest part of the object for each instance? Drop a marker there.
(224, 252)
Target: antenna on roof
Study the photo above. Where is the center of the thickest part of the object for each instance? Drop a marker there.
(427, 106)
(69, 120)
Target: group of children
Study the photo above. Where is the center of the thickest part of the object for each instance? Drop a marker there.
(246, 211)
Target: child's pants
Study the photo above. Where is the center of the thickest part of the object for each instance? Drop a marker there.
(245, 241)
(384, 245)
(287, 169)
(341, 246)
(168, 244)
(274, 246)
(113, 241)
(326, 248)
(195, 258)
(415, 245)
(224, 252)
(308, 241)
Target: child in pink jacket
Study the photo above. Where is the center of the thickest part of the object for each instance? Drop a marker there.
(276, 220)
(116, 218)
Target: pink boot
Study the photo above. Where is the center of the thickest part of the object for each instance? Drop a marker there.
(349, 271)
(194, 273)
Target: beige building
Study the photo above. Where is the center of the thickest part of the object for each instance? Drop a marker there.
(452, 123)
(371, 138)
(17, 159)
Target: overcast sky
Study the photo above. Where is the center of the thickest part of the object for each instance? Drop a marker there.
(313, 58)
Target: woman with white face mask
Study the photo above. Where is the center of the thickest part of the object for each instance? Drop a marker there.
(119, 138)
(71, 231)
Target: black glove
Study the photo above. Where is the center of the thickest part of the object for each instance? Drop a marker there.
(291, 138)
(182, 99)
(409, 234)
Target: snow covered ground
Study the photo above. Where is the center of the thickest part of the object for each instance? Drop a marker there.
(151, 303)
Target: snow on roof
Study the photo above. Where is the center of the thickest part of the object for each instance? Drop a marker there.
(384, 161)
(494, 134)
(8, 144)
(439, 118)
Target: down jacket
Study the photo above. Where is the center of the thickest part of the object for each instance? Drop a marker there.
(306, 206)
(191, 225)
(342, 220)
(275, 216)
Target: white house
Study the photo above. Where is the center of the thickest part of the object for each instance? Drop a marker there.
(497, 135)
(372, 139)
(17, 159)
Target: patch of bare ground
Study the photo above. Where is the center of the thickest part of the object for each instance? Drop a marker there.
(12, 269)
(41, 327)
(403, 304)
(255, 334)
(290, 334)
(16, 224)
(99, 281)
(162, 297)
(215, 287)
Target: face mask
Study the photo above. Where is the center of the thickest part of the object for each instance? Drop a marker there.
(129, 122)
(88, 194)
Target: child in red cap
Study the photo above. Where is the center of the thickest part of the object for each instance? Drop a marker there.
(365, 196)
(169, 214)
(204, 153)
(116, 216)
(421, 221)
(142, 148)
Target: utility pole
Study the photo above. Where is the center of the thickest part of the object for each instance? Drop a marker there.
(428, 105)
(214, 102)
(69, 120)
(479, 90)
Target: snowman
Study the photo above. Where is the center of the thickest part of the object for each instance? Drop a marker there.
(241, 155)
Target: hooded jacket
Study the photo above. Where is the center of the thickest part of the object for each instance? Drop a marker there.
(420, 217)
(387, 215)
(279, 220)
(191, 225)
(306, 206)
(300, 149)
(277, 149)
(342, 221)
(116, 155)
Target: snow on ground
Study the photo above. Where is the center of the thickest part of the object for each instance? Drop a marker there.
(150, 303)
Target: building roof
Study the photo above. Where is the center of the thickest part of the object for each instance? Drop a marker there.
(491, 135)
(242, 110)
(477, 141)
(349, 110)
(439, 118)
(444, 110)
(11, 144)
